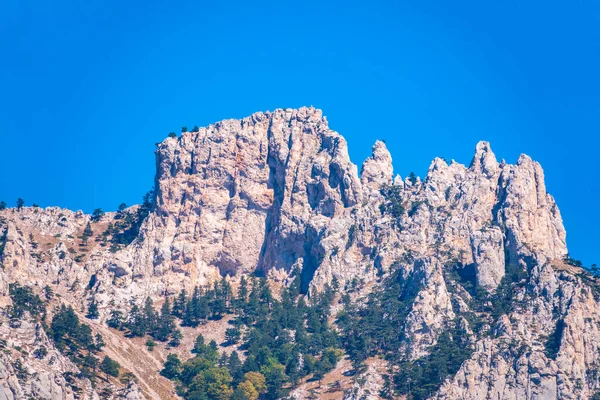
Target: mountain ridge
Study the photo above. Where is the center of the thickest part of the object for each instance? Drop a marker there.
(275, 194)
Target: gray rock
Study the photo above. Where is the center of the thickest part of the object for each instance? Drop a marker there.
(277, 191)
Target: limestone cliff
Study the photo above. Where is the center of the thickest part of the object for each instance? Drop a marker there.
(276, 192)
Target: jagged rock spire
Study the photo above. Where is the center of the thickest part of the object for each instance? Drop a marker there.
(377, 170)
(484, 160)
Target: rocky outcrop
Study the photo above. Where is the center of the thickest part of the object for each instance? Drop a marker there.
(431, 309)
(23, 374)
(369, 385)
(276, 192)
(531, 218)
(246, 195)
(377, 170)
(488, 256)
(557, 309)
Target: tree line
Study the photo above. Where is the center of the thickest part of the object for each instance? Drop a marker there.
(283, 339)
(70, 336)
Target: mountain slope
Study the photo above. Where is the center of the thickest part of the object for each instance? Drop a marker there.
(471, 255)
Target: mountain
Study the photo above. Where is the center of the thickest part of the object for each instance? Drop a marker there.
(455, 286)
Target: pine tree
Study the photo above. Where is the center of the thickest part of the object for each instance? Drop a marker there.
(289, 318)
(165, 324)
(292, 369)
(296, 283)
(275, 377)
(189, 318)
(172, 367)
(219, 301)
(150, 344)
(242, 295)
(88, 366)
(24, 299)
(192, 309)
(88, 232)
(136, 322)
(250, 364)
(20, 203)
(92, 312)
(97, 214)
(196, 309)
(110, 228)
(150, 316)
(232, 335)
(179, 305)
(40, 352)
(98, 342)
(335, 283)
(266, 297)
(64, 321)
(268, 342)
(2, 205)
(110, 367)
(48, 292)
(176, 337)
(115, 320)
(253, 305)
(202, 309)
(212, 351)
(223, 360)
(313, 321)
(83, 335)
(412, 178)
(225, 292)
(146, 203)
(199, 345)
(235, 367)
(319, 372)
(301, 336)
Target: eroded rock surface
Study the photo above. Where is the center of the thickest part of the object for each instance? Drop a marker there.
(276, 192)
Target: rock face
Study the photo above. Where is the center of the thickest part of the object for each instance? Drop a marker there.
(276, 193)
(23, 375)
(514, 362)
(251, 194)
(488, 256)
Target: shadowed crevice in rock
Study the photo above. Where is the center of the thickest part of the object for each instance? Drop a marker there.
(311, 259)
(272, 217)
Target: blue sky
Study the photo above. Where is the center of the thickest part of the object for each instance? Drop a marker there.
(89, 87)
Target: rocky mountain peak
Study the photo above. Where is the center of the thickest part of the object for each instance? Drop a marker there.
(245, 194)
(473, 249)
(276, 191)
(377, 170)
(484, 160)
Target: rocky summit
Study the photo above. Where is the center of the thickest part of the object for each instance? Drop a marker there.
(457, 285)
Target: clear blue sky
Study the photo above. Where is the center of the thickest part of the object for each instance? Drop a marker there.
(88, 87)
